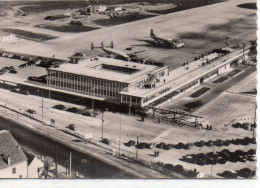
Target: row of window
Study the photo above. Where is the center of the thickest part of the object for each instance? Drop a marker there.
(167, 89)
(131, 99)
(84, 89)
(85, 79)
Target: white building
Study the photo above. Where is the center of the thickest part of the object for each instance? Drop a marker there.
(106, 78)
(13, 161)
(35, 166)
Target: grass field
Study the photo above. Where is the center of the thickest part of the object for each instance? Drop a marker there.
(248, 5)
(29, 35)
(67, 28)
(199, 92)
(220, 80)
(122, 19)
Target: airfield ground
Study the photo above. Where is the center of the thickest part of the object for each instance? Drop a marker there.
(202, 32)
(206, 28)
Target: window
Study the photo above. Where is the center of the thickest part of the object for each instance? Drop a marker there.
(14, 170)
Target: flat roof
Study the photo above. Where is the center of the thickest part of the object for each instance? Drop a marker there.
(182, 75)
(87, 68)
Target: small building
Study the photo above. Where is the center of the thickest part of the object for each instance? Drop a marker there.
(102, 9)
(75, 58)
(35, 165)
(7, 37)
(13, 161)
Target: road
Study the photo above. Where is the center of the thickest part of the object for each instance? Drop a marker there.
(102, 164)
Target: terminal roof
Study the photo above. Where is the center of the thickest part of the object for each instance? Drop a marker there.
(87, 68)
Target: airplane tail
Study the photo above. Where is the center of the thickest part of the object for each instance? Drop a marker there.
(151, 33)
(101, 45)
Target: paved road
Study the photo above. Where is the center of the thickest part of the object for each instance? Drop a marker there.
(39, 140)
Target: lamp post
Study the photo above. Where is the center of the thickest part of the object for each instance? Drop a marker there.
(91, 90)
(212, 158)
(130, 103)
(253, 126)
(42, 101)
(119, 149)
(103, 123)
(137, 138)
(85, 162)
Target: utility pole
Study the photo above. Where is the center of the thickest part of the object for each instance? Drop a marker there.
(212, 158)
(136, 147)
(102, 125)
(254, 124)
(49, 98)
(92, 106)
(130, 105)
(56, 162)
(244, 45)
(70, 164)
(42, 105)
(120, 138)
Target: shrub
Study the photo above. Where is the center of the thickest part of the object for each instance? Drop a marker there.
(251, 151)
(169, 166)
(179, 168)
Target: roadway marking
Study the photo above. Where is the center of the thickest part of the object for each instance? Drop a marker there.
(162, 135)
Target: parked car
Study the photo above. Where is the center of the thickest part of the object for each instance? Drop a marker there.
(31, 111)
(73, 110)
(13, 71)
(72, 127)
(25, 92)
(59, 107)
(16, 90)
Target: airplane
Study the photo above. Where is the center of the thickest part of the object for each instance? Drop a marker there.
(165, 43)
(116, 53)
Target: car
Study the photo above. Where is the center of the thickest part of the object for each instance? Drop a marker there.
(13, 71)
(59, 107)
(72, 127)
(25, 92)
(16, 90)
(73, 110)
(31, 111)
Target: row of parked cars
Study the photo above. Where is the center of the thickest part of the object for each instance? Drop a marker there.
(10, 69)
(39, 61)
(14, 56)
(84, 112)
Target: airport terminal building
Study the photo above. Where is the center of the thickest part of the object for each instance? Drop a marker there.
(135, 84)
(107, 78)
